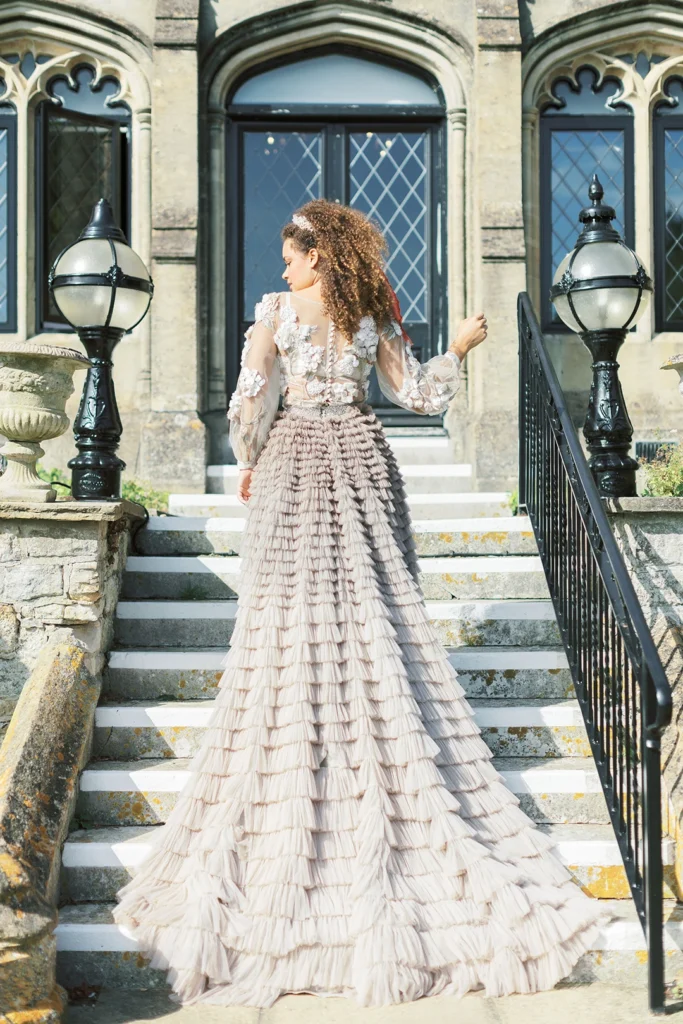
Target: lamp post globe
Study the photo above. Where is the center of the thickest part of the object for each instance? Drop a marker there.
(103, 290)
(600, 290)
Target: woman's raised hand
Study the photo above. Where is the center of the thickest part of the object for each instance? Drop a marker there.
(471, 332)
(243, 482)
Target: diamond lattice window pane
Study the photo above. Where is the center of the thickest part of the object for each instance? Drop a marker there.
(282, 171)
(673, 226)
(575, 157)
(79, 172)
(388, 182)
(4, 224)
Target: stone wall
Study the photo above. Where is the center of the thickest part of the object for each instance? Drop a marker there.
(46, 747)
(60, 574)
(649, 532)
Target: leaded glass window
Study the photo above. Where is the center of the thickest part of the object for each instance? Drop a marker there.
(83, 155)
(327, 127)
(281, 170)
(668, 221)
(8, 215)
(589, 133)
(388, 179)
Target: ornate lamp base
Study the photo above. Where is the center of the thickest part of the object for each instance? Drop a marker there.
(608, 429)
(96, 470)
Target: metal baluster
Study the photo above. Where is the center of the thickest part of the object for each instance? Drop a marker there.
(636, 768)
(618, 676)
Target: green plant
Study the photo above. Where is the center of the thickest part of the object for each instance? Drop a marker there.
(53, 476)
(131, 490)
(144, 494)
(664, 474)
(513, 500)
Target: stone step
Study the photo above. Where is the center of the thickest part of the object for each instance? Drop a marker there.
(501, 672)
(203, 535)
(561, 789)
(418, 478)
(468, 504)
(544, 729)
(97, 862)
(209, 577)
(210, 623)
(419, 448)
(91, 946)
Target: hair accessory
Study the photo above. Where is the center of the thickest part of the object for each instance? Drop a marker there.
(302, 222)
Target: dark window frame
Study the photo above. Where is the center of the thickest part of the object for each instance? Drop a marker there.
(577, 122)
(660, 124)
(9, 121)
(335, 124)
(122, 199)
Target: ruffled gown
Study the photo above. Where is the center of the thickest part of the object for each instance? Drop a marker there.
(342, 830)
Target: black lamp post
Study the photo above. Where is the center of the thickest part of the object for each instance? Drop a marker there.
(600, 289)
(103, 289)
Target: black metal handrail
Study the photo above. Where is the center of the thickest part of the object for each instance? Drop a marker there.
(620, 682)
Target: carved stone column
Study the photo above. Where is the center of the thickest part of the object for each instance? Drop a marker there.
(173, 437)
(496, 251)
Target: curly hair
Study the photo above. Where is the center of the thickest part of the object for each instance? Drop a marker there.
(351, 265)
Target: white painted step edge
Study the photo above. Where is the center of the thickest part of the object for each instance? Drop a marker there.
(539, 779)
(501, 610)
(197, 715)
(132, 852)
(418, 441)
(83, 937)
(226, 565)
(215, 524)
(476, 659)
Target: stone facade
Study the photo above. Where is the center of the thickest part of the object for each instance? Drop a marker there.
(494, 60)
(60, 575)
(649, 533)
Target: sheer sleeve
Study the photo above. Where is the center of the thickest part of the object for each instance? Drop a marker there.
(254, 401)
(425, 388)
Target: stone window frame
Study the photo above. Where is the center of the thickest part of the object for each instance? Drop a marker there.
(72, 42)
(560, 56)
(111, 116)
(672, 119)
(612, 117)
(8, 123)
(337, 126)
(295, 32)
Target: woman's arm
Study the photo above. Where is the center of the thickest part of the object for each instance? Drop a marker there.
(425, 388)
(254, 401)
(422, 387)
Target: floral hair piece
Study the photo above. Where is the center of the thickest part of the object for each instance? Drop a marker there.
(302, 222)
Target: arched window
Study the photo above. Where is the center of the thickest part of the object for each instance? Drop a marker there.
(365, 132)
(82, 154)
(668, 206)
(587, 133)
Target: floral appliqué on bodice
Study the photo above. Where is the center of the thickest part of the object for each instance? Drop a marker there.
(303, 362)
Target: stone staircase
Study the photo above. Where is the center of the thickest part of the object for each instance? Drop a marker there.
(487, 597)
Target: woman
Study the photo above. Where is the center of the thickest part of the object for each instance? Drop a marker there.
(343, 831)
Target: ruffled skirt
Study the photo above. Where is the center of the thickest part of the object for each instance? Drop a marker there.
(342, 830)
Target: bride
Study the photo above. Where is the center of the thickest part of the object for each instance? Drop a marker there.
(343, 831)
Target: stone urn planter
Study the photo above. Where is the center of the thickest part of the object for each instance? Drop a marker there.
(675, 363)
(35, 382)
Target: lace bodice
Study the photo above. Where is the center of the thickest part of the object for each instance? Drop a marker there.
(293, 349)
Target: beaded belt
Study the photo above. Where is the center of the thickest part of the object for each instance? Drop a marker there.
(322, 409)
